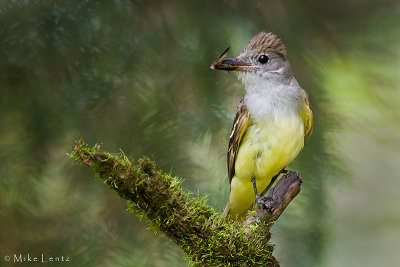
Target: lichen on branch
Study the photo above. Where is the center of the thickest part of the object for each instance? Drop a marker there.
(206, 237)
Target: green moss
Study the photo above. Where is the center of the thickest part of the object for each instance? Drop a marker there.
(205, 236)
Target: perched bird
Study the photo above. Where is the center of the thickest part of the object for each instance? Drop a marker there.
(272, 120)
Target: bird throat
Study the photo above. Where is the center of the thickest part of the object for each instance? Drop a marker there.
(271, 98)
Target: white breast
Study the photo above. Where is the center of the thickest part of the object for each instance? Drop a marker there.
(269, 98)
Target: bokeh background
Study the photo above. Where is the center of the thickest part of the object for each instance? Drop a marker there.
(134, 75)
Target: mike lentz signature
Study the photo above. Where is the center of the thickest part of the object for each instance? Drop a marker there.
(20, 258)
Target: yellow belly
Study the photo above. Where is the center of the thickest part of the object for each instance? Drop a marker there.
(266, 148)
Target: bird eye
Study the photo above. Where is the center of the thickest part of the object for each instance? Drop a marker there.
(263, 59)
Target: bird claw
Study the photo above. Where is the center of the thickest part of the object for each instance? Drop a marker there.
(266, 203)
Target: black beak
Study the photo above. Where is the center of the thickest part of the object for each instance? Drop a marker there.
(230, 64)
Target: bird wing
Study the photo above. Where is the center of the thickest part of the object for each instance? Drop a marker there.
(307, 116)
(240, 124)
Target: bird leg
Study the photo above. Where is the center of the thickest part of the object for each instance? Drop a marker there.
(271, 207)
(284, 171)
(253, 181)
(265, 202)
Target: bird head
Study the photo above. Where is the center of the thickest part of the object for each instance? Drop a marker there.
(264, 56)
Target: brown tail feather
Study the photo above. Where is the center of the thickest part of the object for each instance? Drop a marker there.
(227, 208)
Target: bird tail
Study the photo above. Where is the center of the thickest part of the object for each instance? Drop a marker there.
(227, 208)
(234, 214)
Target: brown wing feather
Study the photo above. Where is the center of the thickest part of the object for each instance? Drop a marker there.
(239, 127)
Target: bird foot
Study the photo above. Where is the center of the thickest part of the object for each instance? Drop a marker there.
(266, 203)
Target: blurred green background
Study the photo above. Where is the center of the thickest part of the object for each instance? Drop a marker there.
(134, 75)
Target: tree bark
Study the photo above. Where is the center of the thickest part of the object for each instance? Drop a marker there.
(206, 237)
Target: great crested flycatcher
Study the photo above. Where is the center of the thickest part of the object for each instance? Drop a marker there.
(271, 123)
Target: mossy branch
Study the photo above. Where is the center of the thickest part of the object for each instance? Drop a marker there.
(206, 237)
